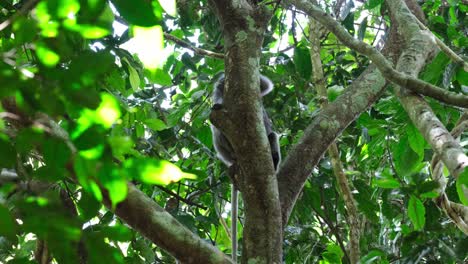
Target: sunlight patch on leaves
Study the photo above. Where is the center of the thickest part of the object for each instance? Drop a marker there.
(147, 43)
(47, 56)
(41, 201)
(63, 8)
(92, 153)
(169, 6)
(89, 31)
(155, 171)
(107, 113)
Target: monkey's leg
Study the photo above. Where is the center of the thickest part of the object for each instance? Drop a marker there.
(275, 149)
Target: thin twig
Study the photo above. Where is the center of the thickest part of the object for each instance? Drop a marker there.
(445, 49)
(164, 189)
(189, 46)
(24, 9)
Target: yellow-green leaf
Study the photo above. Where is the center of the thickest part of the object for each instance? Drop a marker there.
(416, 212)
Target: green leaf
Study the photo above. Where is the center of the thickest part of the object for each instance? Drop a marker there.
(25, 29)
(56, 152)
(374, 256)
(7, 154)
(63, 8)
(416, 140)
(90, 31)
(88, 206)
(159, 76)
(427, 186)
(90, 138)
(97, 249)
(462, 186)
(333, 254)
(188, 61)
(138, 12)
(27, 139)
(116, 82)
(84, 170)
(348, 23)
(462, 76)
(416, 212)
(204, 135)
(47, 56)
(387, 183)
(116, 233)
(365, 202)
(463, 177)
(432, 72)
(115, 182)
(406, 160)
(155, 124)
(373, 3)
(7, 224)
(362, 29)
(334, 91)
(107, 113)
(302, 61)
(133, 76)
(121, 145)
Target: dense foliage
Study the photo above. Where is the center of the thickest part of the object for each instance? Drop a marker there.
(82, 116)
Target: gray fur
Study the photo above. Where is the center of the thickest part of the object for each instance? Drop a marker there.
(222, 146)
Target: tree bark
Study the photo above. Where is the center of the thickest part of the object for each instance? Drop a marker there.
(241, 120)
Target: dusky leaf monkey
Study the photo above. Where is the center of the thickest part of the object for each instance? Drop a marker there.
(222, 146)
(226, 154)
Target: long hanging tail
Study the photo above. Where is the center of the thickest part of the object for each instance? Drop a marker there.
(234, 210)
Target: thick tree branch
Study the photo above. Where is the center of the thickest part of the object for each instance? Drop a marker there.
(152, 221)
(420, 49)
(327, 125)
(378, 59)
(445, 49)
(28, 6)
(458, 213)
(243, 25)
(144, 215)
(353, 254)
(324, 128)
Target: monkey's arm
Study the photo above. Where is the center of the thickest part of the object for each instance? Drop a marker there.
(222, 146)
(272, 139)
(275, 149)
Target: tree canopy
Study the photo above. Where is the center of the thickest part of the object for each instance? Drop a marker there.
(106, 150)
